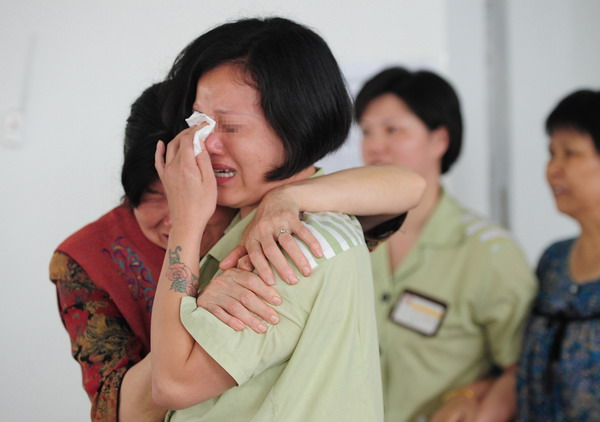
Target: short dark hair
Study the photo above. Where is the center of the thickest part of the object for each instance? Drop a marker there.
(579, 111)
(302, 92)
(144, 128)
(428, 95)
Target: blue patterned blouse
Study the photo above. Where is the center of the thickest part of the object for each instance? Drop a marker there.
(558, 378)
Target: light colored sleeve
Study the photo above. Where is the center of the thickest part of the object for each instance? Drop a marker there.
(506, 300)
(243, 354)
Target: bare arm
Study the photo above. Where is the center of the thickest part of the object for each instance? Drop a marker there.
(499, 403)
(379, 192)
(135, 401)
(183, 374)
(462, 404)
(365, 191)
(487, 400)
(383, 190)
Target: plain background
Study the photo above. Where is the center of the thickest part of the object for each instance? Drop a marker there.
(70, 70)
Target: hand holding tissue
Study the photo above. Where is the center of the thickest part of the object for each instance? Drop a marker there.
(197, 119)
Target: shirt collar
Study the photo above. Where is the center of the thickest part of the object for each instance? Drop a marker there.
(231, 238)
(444, 227)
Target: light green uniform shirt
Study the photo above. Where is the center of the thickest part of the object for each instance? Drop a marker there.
(476, 270)
(321, 361)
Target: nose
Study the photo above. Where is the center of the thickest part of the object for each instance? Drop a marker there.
(214, 144)
(373, 145)
(167, 218)
(554, 167)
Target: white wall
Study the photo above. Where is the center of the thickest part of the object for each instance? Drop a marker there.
(466, 69)
(90, 61)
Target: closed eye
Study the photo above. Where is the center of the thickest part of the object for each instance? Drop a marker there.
(228, 128)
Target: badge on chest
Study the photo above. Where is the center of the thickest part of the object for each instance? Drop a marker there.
(419, 313)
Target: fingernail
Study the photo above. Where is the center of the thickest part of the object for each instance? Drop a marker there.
(319, 253)
(276, 300)
(306, 271)
(293, 279)
(262, 328)
(274, 319)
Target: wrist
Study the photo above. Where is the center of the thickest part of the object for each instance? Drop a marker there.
(184, 231)
(467, 393)
(283, 197)
(279, 193)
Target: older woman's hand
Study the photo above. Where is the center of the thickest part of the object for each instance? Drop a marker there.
(237, 298)
(276, 220)
(189, 181)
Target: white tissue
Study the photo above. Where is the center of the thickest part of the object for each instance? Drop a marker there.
(197, 119)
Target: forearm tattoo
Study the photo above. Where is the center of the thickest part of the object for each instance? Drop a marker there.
(181, 276)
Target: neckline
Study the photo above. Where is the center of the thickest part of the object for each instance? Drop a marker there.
(573, 284)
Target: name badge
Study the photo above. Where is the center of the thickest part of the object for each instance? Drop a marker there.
(419, 313)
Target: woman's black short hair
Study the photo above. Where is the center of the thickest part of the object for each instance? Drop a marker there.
(302, 91)
(428, 95)
(579, 111)
(144, 128)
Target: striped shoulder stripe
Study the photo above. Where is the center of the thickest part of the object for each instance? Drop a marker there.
(306, 252)
(325, 245)
(475, 226)
(334, 232)
(485, 230)
(338, 225)
(493, 233)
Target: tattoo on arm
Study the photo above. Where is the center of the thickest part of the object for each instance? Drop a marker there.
(181, 276)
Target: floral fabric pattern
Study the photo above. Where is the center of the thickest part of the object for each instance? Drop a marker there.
(138, 275)
(101, 341)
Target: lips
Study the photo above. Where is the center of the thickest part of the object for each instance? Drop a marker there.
(558, 190)
(223, 173)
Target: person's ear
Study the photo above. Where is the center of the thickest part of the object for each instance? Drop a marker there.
(441, 141)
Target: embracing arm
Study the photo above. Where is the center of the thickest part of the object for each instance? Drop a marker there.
(376, 192)
(384, 190)
(183, 374)
(135, 400)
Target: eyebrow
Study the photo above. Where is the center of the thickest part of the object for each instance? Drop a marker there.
(228, 112)
(232, 112)
(385, 120)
